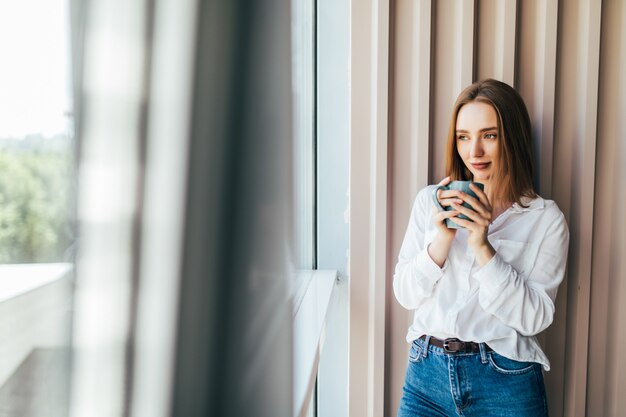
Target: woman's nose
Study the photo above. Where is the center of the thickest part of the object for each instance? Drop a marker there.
(477, 149)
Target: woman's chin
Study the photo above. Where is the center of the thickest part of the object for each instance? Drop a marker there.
(481, 177)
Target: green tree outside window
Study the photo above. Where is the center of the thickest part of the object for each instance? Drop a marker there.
(36, 177)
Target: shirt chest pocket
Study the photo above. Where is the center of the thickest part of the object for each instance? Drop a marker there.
(520, 255)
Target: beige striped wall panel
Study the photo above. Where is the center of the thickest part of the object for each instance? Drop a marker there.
(568, 60)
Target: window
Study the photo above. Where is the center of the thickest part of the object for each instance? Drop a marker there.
(37, 191)
(303, 35)
(36, 133)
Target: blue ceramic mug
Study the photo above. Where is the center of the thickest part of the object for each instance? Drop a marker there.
(456, 185)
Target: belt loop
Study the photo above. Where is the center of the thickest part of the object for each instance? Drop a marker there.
(483, 353)
(426, 343)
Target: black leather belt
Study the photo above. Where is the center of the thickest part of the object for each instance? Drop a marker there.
(453, 345)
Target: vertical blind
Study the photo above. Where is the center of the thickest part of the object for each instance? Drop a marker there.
(564, 57)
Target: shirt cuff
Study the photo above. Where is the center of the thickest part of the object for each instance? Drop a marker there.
(426, 264)
(494, 273)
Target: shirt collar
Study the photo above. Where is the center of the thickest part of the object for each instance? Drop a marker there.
(531, 203)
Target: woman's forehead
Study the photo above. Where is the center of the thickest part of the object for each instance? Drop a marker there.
(476, 115)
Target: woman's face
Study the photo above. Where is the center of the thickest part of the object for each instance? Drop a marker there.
(477, 139)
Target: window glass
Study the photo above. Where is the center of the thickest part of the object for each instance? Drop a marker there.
(36, 135)
(303, 80)
(36, 207)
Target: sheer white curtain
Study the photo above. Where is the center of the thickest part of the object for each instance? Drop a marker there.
(186, 205)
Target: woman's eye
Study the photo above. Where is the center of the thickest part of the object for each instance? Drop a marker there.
(491, 136)
(461, 137)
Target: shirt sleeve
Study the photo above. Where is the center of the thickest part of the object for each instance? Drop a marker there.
(526, 304)
(416, 274)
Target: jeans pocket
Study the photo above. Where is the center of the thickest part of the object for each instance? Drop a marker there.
(506, 366)
(415, 354)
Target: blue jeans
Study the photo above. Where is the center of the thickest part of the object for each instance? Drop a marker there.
(470, 384)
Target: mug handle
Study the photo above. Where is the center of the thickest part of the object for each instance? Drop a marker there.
(435, 199)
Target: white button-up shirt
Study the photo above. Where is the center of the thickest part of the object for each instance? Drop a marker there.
(506, 302)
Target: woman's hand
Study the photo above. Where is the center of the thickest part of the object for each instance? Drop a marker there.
(478, 227)
(439, 248)
(446, 198)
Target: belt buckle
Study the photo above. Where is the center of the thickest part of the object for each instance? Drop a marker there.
(446, 345)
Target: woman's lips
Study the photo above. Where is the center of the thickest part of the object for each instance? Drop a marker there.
(482, 165)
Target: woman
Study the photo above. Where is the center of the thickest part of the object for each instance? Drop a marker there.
(481, 294)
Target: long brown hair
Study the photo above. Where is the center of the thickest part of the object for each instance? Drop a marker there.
(512, 177)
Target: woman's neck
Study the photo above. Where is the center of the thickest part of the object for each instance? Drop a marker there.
(498, 209)
(498, 206)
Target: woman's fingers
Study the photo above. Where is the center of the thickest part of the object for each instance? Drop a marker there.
(449, 193)
(476, 204)
(442, 193)
(442, 215)
(475, 216)
(449, 201)
(469, 225)
(439, 218)
(447, 197)
(480, 205)
(481, 195)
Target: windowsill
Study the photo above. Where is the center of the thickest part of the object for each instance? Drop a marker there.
(302, 280)
(18, 279)
(309, 329)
